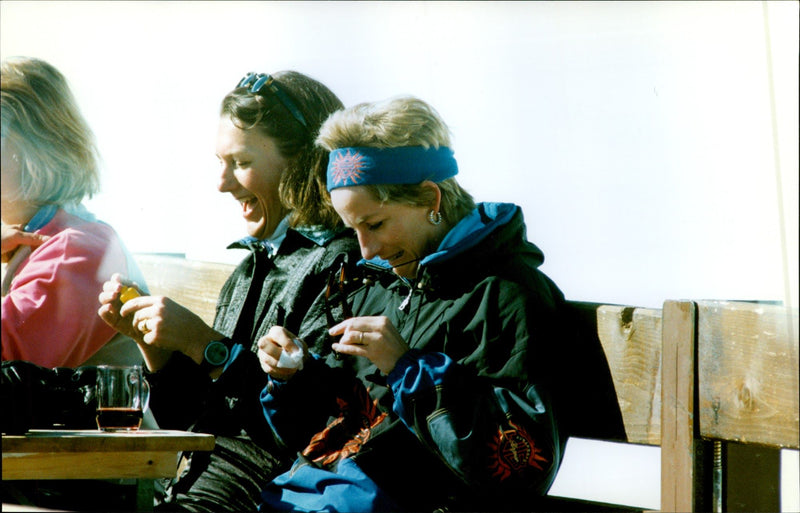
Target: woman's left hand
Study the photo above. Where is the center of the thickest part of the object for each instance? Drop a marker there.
(374, 338)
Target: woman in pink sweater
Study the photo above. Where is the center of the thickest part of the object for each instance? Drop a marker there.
(56, 254)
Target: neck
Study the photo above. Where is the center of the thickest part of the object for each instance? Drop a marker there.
(18, 213)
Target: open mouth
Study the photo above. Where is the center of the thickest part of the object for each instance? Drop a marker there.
(248, 205)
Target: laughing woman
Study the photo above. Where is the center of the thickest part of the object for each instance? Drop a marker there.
(207, 378)
(442, 397)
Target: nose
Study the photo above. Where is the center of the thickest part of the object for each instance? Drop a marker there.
(369, 246)
(227, 182)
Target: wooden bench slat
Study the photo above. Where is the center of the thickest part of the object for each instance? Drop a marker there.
(193, 284)
(631, 339)
(748, 373)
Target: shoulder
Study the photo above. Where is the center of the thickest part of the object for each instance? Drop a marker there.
(73, 236)
(321, 250)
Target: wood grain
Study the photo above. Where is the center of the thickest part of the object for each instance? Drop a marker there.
(193, 284)
(97, 455)
(682, 488)
(106, 441)
(748, 373)
(631, 339)
(90, 465)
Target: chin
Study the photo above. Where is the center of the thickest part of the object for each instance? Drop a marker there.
(405, 273)
(257, 231)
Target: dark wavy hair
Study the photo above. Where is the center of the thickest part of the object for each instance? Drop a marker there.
(302, 187)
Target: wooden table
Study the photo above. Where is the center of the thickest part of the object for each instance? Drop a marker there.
(93, 454)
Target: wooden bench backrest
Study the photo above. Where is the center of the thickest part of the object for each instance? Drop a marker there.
(748, 373)
(670, 377)
(617, 395)
(628, 338)
(193, 284)
(730, 374)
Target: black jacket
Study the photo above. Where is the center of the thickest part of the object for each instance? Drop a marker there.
(466, 419)
(287, 289)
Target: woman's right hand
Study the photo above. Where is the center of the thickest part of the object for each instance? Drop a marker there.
(111, 304)
(12, 237)
(155, 321)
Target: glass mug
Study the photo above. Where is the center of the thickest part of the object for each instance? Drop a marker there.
(122, 397)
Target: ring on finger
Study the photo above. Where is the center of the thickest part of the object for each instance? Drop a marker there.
(361, 337)
(143, 326)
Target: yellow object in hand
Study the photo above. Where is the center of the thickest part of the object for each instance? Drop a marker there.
(128, 293)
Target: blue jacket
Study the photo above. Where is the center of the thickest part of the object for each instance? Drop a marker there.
(465, 420)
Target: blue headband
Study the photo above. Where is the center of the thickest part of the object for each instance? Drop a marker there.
(404, 165)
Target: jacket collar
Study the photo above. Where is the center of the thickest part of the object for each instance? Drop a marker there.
(319, 235)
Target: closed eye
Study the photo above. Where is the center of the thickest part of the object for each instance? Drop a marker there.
(374, 226)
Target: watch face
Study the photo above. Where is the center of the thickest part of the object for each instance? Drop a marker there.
(216, 353)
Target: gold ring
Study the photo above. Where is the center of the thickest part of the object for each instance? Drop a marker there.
(361, 337)
(143, 326)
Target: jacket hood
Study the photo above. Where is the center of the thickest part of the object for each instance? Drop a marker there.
(489, 231)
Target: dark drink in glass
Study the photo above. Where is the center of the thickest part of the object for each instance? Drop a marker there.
(122, 397)
(119, 418)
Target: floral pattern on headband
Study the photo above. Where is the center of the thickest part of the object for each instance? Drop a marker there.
(347, 166)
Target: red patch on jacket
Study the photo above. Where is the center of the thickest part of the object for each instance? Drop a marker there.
(512, 451)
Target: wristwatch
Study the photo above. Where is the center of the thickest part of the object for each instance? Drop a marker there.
(216, 354)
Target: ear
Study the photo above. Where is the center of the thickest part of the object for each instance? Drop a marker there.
(437, 194)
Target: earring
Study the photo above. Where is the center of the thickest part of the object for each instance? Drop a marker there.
(434, 217)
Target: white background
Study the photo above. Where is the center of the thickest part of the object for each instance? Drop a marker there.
(652, 145)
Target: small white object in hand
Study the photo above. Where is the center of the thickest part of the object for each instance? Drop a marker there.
(293, 360)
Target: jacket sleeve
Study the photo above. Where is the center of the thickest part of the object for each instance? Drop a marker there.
(178, 392)
(297, 409)
(492, 425)
(183, 396)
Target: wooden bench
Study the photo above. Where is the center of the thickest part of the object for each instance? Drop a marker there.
(193, 284)
(736, 404)
(714, 383)
(698, 379)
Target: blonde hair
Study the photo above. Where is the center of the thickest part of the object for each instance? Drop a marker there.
(392, 123)
(56, 147)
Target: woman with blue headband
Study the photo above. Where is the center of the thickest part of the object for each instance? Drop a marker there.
(438, 394)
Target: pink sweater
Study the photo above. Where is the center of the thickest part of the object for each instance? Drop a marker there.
(50, 312)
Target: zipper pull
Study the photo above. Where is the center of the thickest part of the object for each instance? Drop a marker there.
(407, 300)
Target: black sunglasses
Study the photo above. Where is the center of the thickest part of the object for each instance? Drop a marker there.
(336, 284)
(258, 81)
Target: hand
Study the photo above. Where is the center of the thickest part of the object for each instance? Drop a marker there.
(156, 321)
(270, 346)
(374, 338)
(13, 237)
(110, 307)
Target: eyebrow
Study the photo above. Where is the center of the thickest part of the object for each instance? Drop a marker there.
(240, 152)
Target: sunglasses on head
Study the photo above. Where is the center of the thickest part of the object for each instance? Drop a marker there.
(259, 83)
